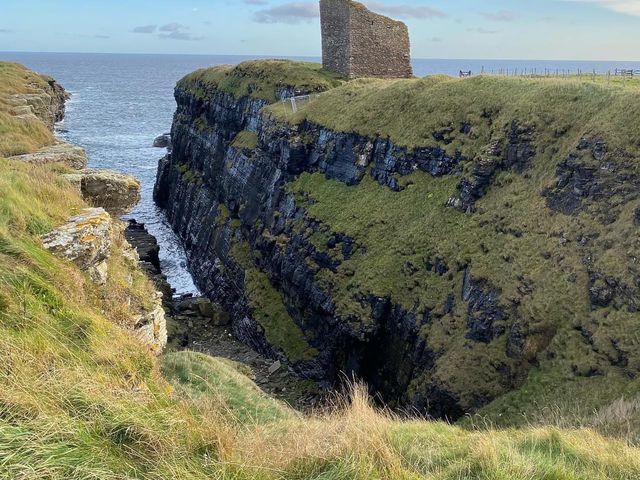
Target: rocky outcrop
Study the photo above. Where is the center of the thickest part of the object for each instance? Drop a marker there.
(62, 152)
(85, 240)
(162, 141)
(116, 192)
(151, 327)
(47, 104)
(146, 245)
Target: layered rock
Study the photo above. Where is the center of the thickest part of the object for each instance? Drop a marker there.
(116, 192)
(62, 152)
(287, 278)
(222, 200)
(85, 240)
(146, 245)
(46, 104)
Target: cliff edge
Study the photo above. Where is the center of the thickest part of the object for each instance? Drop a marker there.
(461, 245)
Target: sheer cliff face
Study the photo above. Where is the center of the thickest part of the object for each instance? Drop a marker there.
(413, 269)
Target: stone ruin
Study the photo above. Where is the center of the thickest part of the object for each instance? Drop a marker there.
(359, 43)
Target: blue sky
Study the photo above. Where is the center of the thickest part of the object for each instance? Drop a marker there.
(520, 29)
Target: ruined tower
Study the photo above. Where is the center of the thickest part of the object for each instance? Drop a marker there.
(359, 43)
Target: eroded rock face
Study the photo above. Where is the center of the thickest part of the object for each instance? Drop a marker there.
(205, 176)
(48, 104)
(85, 240)
(148, 250)
(151, 327)
(62, 152)
(116, 192)
(219, 198)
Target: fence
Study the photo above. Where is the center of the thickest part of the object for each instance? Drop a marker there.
(292, 104)
(620, 73)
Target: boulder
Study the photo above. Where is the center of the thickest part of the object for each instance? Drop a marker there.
(62, 152)
(85, 240)
(116, 192)
(203, 311)
(162, 141)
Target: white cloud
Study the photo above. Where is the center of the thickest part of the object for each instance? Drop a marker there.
(404, 11)
(629, 7)
(293, 12)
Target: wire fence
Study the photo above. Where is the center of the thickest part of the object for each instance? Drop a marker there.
(554, 73)
(293, 104)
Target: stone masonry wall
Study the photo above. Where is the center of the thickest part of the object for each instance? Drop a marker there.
(359, 43)
(336, 46)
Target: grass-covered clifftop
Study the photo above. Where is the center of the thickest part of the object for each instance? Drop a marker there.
(500, 213)
(261, 79)
(543, 258)
(80, 398)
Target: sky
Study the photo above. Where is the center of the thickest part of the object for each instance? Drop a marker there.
(469, 29)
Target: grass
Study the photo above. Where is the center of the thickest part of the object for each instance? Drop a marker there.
(260, 79)
(19, 135)
(245, 140)
(202, 378)
(370, 107)
(80, 398)
(271, 313)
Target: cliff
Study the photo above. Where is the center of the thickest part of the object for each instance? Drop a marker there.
(460, 245)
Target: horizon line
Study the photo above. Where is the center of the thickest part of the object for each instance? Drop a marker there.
(272, 56)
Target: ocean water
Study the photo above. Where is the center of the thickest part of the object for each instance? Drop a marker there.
(120, 103)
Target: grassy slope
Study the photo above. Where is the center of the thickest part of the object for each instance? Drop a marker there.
(80, 399)
(18, 136)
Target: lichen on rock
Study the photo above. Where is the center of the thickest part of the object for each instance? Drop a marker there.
(116, 192)
(85, 240)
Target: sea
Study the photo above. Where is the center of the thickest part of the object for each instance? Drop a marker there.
(120, 103)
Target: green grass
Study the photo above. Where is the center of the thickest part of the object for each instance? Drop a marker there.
(371, 107)
(245, 140)
(260, 79)
(271, 313)
(202, 377)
